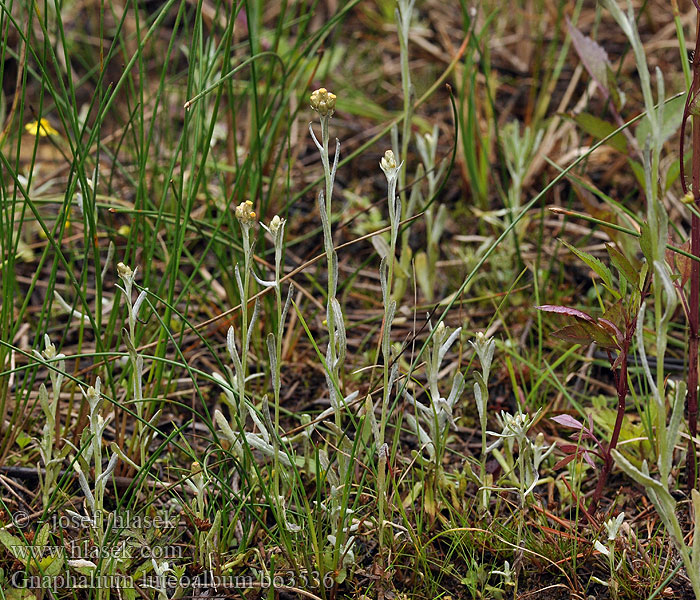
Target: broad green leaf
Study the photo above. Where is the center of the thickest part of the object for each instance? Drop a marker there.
(673, 115)
(615, 313)
(12, 545)
(645, 242)
(599, 129)
(638, 172)
(22, 440)
(423, 275)
(42, 536)
(672, 173)
(51, 566)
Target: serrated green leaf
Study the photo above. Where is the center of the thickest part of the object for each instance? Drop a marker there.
(598, 267)
(615, 313)
(624, 267)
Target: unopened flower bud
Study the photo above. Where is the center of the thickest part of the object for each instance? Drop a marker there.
(275, 224)
(440, 330)
(389, 166)
(50, 351)
(124, 272)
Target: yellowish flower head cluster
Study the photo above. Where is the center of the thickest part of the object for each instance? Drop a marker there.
(245, 213)
(323, 102)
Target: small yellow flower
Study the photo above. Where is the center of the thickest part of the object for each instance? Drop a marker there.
(124, 230)
(42, 127)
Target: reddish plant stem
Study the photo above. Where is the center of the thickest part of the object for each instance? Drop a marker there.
(694, 309)
(622, 390)
(693, 326)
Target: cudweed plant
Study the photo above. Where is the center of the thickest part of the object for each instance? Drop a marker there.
(198, 483)
(128, 276)
(238, 405)
(266, 439)
(484, 348)
(52, 463)
(612, 528)
(246, 217)
(89, 458)
(386, 277)
(531, 455)
(323, 102)
(274, 343)
(519, 149)
(432, 420)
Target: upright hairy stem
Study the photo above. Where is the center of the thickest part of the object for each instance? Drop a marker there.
(386, 275)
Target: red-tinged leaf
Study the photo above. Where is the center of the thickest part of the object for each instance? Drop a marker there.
(565, 461)
(680, 263)
(612, 329)
(574, 334)
(585, 333)
(588, 435)
(587, 457)
(565, 310)
(568, 448)
(592, 55)
(568, 421)
(615, 313)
